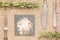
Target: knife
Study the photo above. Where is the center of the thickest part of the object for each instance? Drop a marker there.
(44, 14)
(5, 27)
(54, 15)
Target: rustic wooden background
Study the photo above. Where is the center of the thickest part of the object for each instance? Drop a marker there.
(37, 12)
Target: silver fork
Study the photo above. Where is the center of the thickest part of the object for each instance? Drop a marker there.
(44, 14)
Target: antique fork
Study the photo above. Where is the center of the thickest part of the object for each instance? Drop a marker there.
(44, 14)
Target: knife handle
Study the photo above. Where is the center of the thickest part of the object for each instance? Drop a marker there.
(5, 38)
(5, 33)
